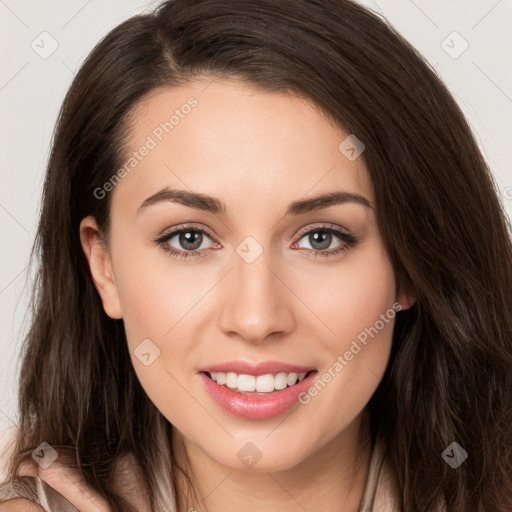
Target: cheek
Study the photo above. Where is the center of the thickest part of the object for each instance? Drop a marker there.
(154, 292)
(349, 296)
(158, 302)
(160, 297)
(359, 308)
(162, 302)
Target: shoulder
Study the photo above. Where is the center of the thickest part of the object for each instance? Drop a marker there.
(20, 505)
(382, 491)
(31, 493)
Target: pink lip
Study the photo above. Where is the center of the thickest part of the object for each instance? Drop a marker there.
(255, 369)
(254, 406)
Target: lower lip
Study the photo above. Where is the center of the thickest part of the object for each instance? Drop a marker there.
(257, 407)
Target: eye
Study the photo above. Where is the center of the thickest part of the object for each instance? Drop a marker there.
(184, 242)
(321, 238)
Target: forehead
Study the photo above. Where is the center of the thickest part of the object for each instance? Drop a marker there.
(232, 140)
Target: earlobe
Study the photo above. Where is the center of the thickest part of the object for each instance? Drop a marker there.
(100, 266)
(406, 303)
(406, 299)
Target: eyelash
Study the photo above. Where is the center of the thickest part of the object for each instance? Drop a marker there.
(349, 241)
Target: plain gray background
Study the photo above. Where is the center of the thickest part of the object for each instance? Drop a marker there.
(33, 84)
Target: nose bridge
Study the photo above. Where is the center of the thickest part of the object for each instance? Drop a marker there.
(257, 304)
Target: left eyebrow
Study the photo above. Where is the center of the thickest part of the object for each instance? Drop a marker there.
(324, 201)
(217, 207)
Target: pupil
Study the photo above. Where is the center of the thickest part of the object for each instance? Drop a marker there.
(189, 240)
(323, 240)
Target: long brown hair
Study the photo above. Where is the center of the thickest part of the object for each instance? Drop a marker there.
(449, 377)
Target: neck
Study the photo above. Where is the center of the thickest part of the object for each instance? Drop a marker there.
(331, 479)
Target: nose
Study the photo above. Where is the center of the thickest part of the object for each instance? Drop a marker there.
(257, 303)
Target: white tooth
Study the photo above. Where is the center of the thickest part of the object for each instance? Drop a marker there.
(291, 379)
(231, 380)
(262, 383)
(246, 382)
(265, 383)
(280, 381)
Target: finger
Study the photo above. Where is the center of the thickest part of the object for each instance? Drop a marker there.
(70, 483)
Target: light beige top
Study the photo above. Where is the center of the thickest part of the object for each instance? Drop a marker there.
(380, 494)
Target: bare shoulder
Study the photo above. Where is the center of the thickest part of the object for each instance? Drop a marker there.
(20, 505)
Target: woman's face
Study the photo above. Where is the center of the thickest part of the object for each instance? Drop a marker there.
(259, 285)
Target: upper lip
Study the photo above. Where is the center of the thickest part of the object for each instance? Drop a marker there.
(252, 368)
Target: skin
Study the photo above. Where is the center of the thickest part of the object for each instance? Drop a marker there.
(20, 505)
(257, 152)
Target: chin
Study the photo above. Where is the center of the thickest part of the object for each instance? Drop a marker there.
(262, 454)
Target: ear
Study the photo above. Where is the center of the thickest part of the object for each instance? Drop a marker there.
(100, 265)
(406, 298)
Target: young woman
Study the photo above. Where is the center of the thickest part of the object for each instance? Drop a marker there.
(274, 275)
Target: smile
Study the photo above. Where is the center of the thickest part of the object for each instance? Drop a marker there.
(259, 394)
(251, 384)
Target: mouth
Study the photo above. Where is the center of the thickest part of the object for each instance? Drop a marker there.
(257, 384)
(258, 395)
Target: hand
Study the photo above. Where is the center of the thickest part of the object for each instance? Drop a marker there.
(69, 483)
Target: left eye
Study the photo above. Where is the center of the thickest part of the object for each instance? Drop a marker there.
(320, 239)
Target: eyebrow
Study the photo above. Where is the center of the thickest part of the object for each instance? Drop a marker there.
(215, 206)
